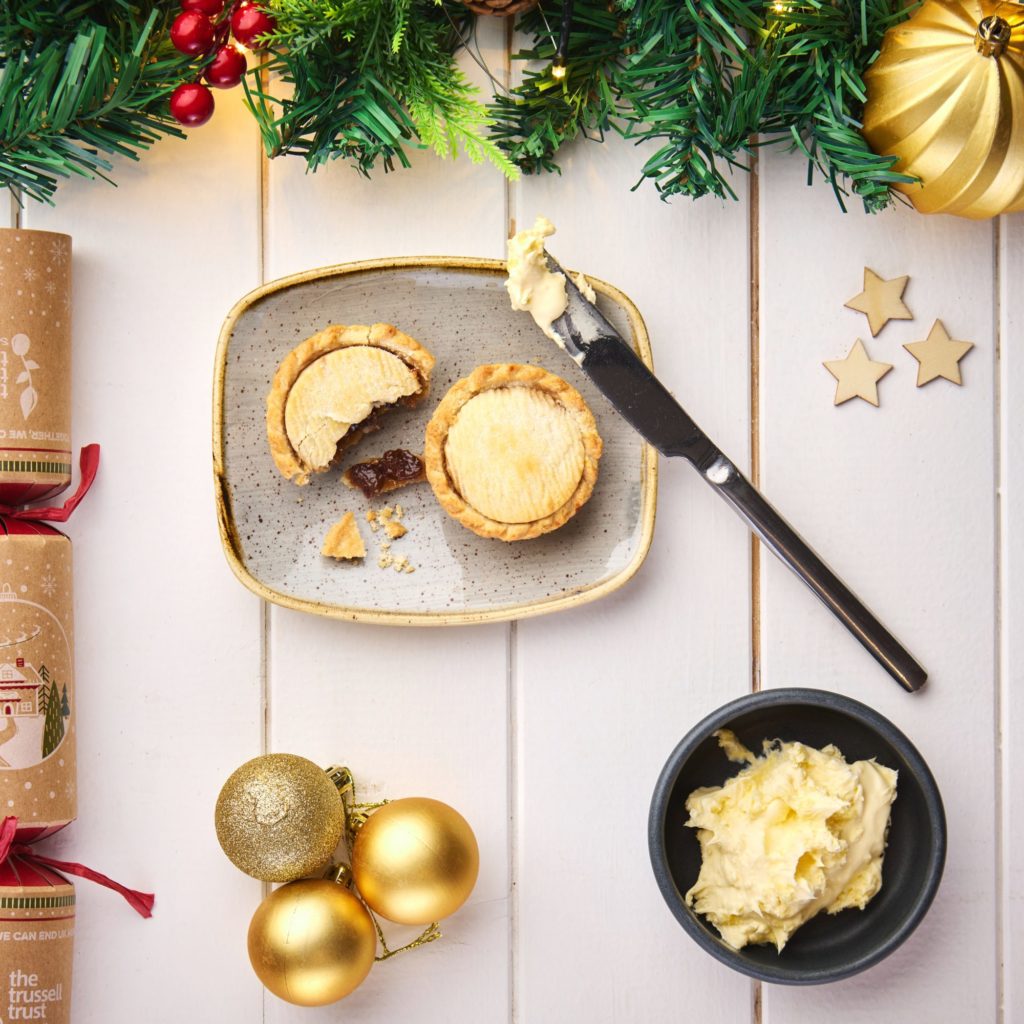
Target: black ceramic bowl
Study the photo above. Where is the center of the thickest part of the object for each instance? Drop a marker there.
(828, 947)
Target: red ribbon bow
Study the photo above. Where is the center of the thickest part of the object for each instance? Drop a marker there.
(88, 462)
(142, 902)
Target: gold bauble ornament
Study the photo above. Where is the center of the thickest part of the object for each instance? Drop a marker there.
(946, 96)
(279, 817)
(415, 860)
(312, 942)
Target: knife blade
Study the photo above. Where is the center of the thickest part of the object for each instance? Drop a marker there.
(648, 406)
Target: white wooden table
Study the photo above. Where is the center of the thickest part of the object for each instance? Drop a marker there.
(548, 735)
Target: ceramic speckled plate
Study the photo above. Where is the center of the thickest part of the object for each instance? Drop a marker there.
(272, 530)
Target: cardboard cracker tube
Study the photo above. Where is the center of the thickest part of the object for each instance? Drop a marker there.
(38, 783)
(35, 365)
(37, 938)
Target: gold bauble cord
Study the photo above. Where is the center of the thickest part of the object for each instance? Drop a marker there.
(312, 942)
(279, 817)
(415, 860)
(946, 97)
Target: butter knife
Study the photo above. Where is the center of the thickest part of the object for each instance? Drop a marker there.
(644, 402)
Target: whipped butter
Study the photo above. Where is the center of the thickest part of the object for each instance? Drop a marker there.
(798, 831)
(532, 287)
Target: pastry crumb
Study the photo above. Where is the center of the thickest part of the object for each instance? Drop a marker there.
(343, 540)
(387, 518)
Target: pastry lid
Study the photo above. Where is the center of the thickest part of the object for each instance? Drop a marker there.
(272, 531)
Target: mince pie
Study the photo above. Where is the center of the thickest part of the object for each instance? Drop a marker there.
(512, 452)
(333, 389)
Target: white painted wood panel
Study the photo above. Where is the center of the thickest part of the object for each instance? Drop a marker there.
(900, 500)
(603, 693)
(436, 208)
(167, 643)
(1011, 612)
(547, 736)
(413, 712)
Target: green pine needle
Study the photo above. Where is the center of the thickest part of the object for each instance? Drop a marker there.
(81, 83)
(365, 81)
(702, 80)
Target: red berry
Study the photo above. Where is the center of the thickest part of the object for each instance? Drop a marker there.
(227, 67)
(192, 104)
(209, 7)
(192, 33)
(248, 23)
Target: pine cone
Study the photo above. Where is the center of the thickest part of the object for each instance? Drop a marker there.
(501, 7)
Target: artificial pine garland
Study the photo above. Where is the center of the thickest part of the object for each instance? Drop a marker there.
(705, 81)
(365, 79)
(81, 82)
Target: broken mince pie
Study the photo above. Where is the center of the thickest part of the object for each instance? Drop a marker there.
(333, 389)
(512, 452)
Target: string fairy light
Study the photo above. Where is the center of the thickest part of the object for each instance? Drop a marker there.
(560, 63)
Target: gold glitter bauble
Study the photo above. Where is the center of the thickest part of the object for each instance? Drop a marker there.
(312, 942)
(415, 860)
(945, 96)
(279, 817)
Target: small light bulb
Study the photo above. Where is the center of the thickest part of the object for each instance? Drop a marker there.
(558, 69)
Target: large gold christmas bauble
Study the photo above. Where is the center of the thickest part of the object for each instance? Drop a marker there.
(312, 942)
(946, 96)
(279, 817)
(415, 860)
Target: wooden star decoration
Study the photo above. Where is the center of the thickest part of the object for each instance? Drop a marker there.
(938, 355)
(881, 300)
(857, 375)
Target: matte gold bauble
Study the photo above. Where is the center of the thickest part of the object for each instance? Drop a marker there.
(946, 96)
(312, 942)
(279, 817)
(415, 860)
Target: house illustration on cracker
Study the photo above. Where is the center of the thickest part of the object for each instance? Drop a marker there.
(19, 689)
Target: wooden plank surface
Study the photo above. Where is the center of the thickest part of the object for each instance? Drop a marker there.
(167, 643)
(900, 499)
(1011, 618)
(413, 712)
(603, 694)
(548, 735)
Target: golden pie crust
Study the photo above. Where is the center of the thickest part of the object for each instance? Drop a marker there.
(343, 540)
(331, 390)
(512, 451)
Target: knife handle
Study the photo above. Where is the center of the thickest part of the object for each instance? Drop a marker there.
(791, 548)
